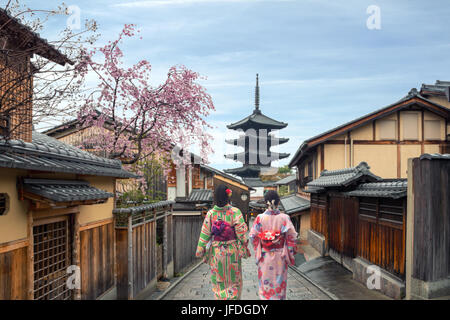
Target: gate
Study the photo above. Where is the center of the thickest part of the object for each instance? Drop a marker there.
(343, 222)
(52, 257)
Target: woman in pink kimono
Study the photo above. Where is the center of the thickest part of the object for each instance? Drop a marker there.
(274, 239)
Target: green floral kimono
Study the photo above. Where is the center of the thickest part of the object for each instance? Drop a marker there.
(224, 257)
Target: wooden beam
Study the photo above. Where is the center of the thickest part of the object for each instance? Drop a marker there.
(30, 258)
(95, 224)
(422, 147)
(76, 249)
(14, 245)
(49, 212)
(236, 184)
(374, 131)
(322, 157)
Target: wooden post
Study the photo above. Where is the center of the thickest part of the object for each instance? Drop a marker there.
(30, 253)
(145, 247)
(164, 250)
(76, 249)
(154, 249)
(130, 256)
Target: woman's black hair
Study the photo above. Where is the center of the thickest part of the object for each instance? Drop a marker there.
(221, 198)
(272, 195)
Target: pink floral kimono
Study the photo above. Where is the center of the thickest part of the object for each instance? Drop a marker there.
(274, 239)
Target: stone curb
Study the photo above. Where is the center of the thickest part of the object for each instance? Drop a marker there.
(173, 285)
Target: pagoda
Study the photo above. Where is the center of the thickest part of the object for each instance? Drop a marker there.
(257, 139)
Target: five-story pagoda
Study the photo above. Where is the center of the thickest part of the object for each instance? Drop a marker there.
(257, 138)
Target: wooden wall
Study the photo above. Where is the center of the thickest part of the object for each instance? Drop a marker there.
(186, 232)
(319, 220)
(431, 247)
(13, 271)
(96, 259)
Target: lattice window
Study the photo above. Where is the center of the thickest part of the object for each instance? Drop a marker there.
(4, 204)
(52, 257)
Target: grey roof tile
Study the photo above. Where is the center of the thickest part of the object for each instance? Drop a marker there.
(435, 156)
(64, 190)
(394, 188)
(201, 195)
(145, 207)
(286, 180)
(48, 154)
(259, 119)
(257, 182)
(293, 204)
(342, 177)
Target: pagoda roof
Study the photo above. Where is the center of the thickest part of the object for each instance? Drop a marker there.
(245, 171)
(242, 155)
(257, 120)
(240, 141)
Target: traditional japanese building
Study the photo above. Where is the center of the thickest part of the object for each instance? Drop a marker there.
(257, 138)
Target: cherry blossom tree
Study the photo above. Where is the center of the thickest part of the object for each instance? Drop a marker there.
(135, 120)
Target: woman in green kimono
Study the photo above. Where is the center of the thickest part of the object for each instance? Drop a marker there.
(222, 244)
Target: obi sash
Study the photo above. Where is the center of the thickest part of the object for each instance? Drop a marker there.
(223, 231)
(271, 240)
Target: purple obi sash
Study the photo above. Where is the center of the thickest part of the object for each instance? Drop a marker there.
(223, 231)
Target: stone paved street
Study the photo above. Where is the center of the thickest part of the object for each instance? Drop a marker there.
(196, 286)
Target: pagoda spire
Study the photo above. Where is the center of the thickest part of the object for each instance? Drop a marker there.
(257, 93)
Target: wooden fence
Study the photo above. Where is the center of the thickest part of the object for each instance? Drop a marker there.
(381, 233)
(136, 246)
(186, 232)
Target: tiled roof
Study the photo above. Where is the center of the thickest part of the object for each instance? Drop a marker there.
(395, 188)
(50, 155)
(64, 190)
(435, 156)
(342, 177)
(200, 195)
(260, 204)
(293, 204)
(257, 119)
(31, 40)
(286, 180)
(145, 207)
(440, 88)
(221, 173)
(257, 182)
(247, 170)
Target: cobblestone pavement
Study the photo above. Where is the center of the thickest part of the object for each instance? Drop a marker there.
(197, 285)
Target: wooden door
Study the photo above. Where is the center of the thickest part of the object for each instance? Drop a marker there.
(343, 218)
(52, 256)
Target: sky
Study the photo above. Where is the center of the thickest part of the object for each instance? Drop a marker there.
(319, 63)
